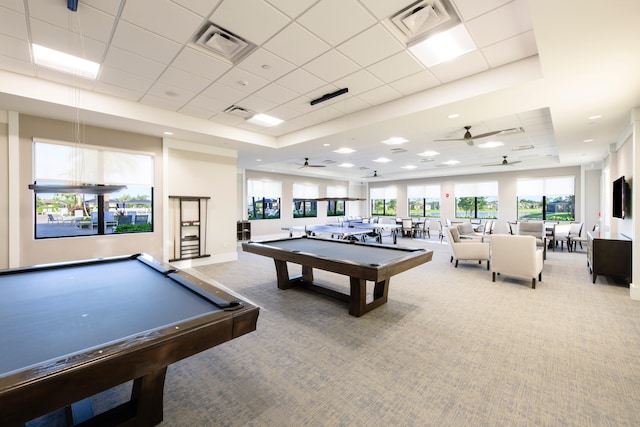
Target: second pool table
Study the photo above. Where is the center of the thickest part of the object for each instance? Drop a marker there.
(362, 262)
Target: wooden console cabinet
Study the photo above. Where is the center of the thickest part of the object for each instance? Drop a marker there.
(609, 254)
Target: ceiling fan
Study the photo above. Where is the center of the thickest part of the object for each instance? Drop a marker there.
(504, 162)
(468, 138)
(307, 165)
(375, 175)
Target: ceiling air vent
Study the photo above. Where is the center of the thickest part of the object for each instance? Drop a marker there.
(239, 111)
(397, 150)
(223, 43)
(424, 17)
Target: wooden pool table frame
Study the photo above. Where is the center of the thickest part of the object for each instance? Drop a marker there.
(358, 273)
(49, 386)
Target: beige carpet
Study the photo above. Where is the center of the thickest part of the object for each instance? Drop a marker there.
(450, 348)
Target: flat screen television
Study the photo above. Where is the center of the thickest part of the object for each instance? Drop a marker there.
(620, 197)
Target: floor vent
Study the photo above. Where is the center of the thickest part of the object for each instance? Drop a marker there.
(222, 43)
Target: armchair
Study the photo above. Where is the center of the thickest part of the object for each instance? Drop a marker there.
(535, 229)
(516, 255)
(467, 249)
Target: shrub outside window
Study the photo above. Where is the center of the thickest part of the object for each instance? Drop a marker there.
(263, 199)
(546, 199)
(383, 201)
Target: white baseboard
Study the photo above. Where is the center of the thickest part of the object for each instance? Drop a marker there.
(634, 292)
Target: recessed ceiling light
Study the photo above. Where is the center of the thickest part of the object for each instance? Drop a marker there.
(326, 145)
(409, 167)
(597, 116)
(64, 62)
(588, 140)
(395, 140)
(344, 150)
(264, 120)
(428, 153)
(453, 116)
(345, 165)
(382, 160)
(451, 162)
(258, 160)
(490, 144)
(444, 46)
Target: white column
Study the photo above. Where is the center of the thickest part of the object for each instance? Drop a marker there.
(634, 289)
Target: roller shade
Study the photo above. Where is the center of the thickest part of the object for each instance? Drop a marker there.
(336, 191)
(385, 193)
(476, 189)
(556, 186)
(423, 192)
(305, 191)
(258, 188)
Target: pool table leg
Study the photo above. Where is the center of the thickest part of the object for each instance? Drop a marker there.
(148, 392)
(286, 282)
(358, 298)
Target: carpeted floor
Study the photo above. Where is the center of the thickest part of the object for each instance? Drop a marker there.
(450, 348)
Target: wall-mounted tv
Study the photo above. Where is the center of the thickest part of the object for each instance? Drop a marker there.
(620, 197)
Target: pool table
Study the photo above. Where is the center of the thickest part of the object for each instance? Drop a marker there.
(71, 330)
(362, 262)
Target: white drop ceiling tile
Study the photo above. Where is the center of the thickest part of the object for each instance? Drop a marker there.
(227, 119)
(296, 45)
(331, 66)
(126, 80)
(350, 105)
(60, 39)
(168, 19)
(108, 6)
(65, 79)
(372, 45)
(265, 64)
(192, 110)
(283, 113)
(380, 95)
(510, 50)
(359, 82)
(161, 102)
(463, 66)
(302, 104)
(141, 42)
(276, 93)
(257, 104)
(336, 20)
(386, 9)
(16, 66)
(253, 20)
(505, 22)
(201, 102)
(396, 67)
(201, 7)
(181, 79)
(243, 81)
(470, 9)
(12, 24)
(223, 93)
(16, 5)
(119, 92)
(200, 63)
(292, 8)
(87, 21)
(301, 81)
(14, 48)
(323, 114)
(130, 62)
(415, 83)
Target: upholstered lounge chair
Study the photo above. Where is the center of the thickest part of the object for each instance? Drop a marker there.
(516, 256)
(535, 229)
(467, 249)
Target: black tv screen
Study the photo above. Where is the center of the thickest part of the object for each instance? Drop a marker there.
(618, 197)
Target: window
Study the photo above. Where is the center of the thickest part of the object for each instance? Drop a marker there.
(547, 199)
(424, 200)
(477, 200)
(303, 204)
(75, 210)
(263, 199)
(335, 206)
(383, 201)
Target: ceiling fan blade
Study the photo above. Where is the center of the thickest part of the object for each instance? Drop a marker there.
(501, 132)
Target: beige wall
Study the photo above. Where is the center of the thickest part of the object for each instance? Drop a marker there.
(41, 251)
(202, 171)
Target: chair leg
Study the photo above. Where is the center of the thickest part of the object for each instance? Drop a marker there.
(456, 263)
(533, 283)
(451, 260)
(488, 265)
(494, 277)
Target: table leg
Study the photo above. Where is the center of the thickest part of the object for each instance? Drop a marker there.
(287, 282)
(358, 297)
(148, 392)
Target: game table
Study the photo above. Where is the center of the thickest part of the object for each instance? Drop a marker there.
(335, 231)
(71, 330)
(362, 262)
